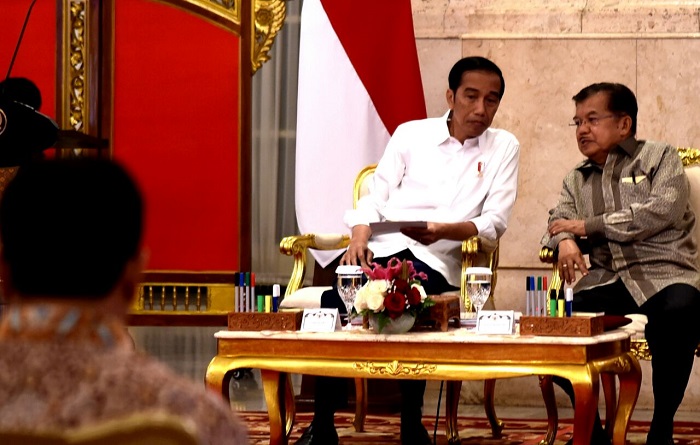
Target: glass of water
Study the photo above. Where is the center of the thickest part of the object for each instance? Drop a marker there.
(349, 282)
(478, 286)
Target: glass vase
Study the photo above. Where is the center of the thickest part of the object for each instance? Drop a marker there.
(399, 325)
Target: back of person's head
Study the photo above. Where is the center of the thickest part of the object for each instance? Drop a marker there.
(473, 63)
(621, 100)
(69, 227)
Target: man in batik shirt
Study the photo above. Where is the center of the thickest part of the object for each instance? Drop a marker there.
(70, 266)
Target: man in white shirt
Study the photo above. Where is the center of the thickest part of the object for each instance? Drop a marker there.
(457, 174)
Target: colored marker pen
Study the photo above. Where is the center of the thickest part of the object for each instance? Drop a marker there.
(569, 301)
(236, 294)
(541, 298)
(560, 303)
(275, 297)
(248, 295)
(243, 303)
(527, 295)
(553, 303)
(535, 303)
(251, 307)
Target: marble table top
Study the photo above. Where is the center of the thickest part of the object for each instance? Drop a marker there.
(460, 335)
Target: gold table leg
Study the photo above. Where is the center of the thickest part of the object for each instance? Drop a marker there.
(585, 383)
(630, 383)
(550, 403)
(274, 384)
(218, 376)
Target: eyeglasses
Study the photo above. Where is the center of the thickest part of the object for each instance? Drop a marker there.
(592, 121)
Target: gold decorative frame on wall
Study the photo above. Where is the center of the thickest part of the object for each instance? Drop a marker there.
(85, 71)
(84, 102)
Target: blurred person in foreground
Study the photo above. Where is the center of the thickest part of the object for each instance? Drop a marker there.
(70, 265)
(627, 203)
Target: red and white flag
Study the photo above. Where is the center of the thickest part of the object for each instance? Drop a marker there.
(358, 80)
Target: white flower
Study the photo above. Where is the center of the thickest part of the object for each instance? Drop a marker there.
(360, 301)
(423, 295)
(371, 295)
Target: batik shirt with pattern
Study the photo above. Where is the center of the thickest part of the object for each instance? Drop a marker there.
(637, 217)
(66, 368)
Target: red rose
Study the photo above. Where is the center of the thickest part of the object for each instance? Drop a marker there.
(401, 286)
(395, 303)
(413, 296)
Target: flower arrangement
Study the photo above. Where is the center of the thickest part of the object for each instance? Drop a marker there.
(391, 292)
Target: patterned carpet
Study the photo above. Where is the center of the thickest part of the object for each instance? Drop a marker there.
(382, 430)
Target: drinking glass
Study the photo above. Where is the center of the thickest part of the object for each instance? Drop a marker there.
(349, 282)
(478, 286)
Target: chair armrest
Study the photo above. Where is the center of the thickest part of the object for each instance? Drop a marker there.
(478, 251)
(549, 256)
(297, 246)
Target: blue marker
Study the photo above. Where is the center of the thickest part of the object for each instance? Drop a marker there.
(527, 295)
(275, 297)
(243, 301)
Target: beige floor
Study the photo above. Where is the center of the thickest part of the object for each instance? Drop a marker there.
(189, 350)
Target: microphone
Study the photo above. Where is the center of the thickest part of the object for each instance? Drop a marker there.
(25, 132)
(19, 41)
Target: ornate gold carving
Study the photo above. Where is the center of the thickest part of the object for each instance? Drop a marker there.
(394, 368)
(640, 349)
(689, 156)
(269, 18)
(618, 365)
(227, 4)
(77, 56)
(226, 13)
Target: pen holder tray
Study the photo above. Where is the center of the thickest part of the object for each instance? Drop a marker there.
(562, 326)
(264, 321)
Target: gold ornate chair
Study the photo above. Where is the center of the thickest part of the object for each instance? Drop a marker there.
(139, 429)
(476, 251)
(691, 163)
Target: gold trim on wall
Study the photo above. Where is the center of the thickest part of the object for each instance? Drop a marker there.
(225, 13)
(268, 16)
(73, 68)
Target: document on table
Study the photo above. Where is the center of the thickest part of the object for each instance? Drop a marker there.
(381, 228)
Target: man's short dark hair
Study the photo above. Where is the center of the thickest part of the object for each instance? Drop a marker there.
(68, 227)
(473, 63)
(621, 100)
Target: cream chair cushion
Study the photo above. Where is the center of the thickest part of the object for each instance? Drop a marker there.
(304, 298)
(693, 174)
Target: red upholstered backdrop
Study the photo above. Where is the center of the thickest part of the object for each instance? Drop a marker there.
(176, 126)
(36, 59)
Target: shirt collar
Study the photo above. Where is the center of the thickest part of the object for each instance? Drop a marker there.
(629, 146)
(444, 134)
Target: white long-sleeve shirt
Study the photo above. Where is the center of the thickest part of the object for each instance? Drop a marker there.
(427, 175)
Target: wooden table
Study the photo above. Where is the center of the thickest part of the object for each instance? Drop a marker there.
(454, 355)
